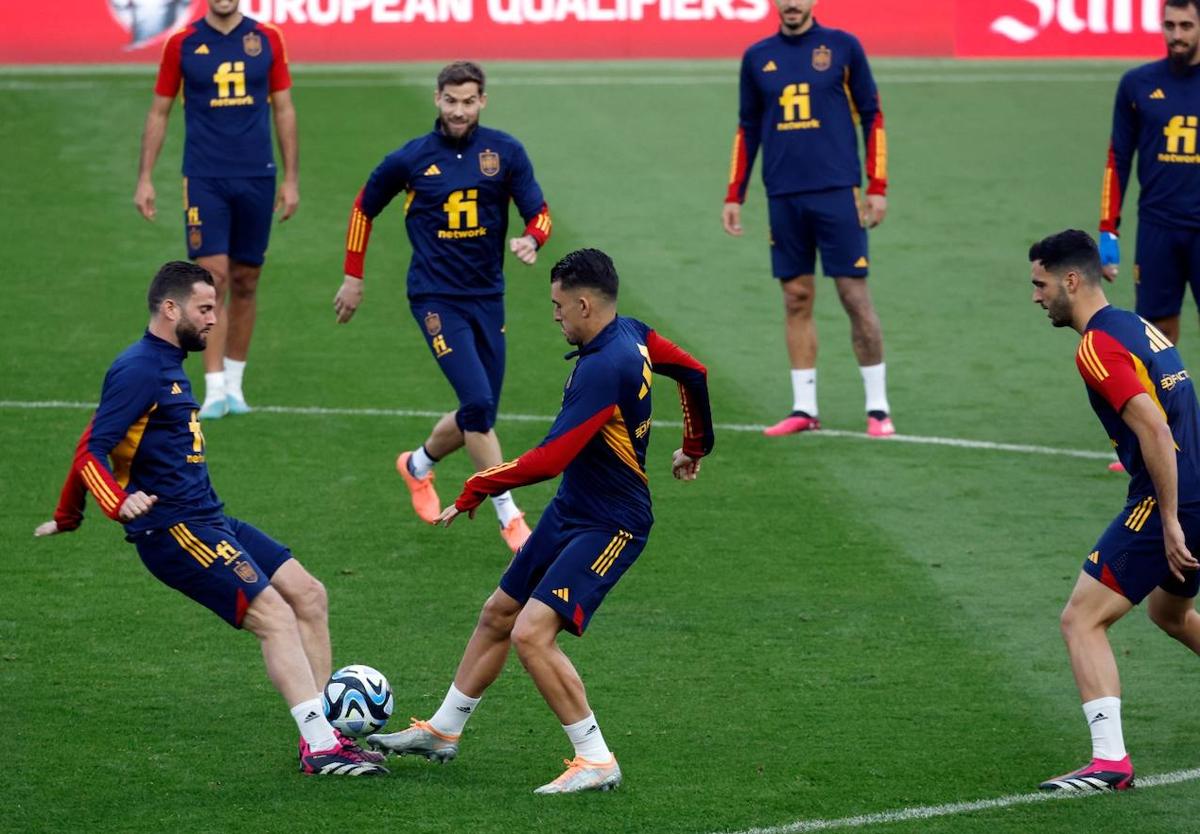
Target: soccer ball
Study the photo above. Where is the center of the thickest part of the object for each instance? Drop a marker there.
(357, 700)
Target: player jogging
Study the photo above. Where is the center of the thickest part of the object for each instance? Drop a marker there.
(1157, 116)
(232, 74)
(1146, 402)
(591, 532)
(142, 457)
(458, 180)
(802, 92)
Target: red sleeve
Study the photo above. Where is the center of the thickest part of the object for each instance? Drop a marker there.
(1108, 368)
(88, 474)
(539, 227)
(280, 77)
(1110, 195)
(877, 154)
(739, 172)
(170, 72)
(670, 360)
(356, 240)
(546, 461)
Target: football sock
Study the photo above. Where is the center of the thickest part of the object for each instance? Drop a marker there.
(1104, 720)
(452, 715)
(506, 508)
(588, 740)
(234, 370)
(214, 387)
(804, 390)
(875, 383)
(316, 730)
(420, 463)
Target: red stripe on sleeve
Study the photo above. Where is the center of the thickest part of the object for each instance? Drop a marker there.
(737, 169)
(280, 77)
(539, 464)
(1107, 367)
(170, 70)
(88, 474)
(669, 359)
(357, 236)
(877, 157)
(1110, 195)
(539, 227)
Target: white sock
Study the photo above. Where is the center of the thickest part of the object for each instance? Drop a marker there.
(875, 383)
(452, 715)
(234, 370)
(420, 464)
(317, 731)
(506, 508)
(588, 740)
(214, 387)
(804, 390)
(1104, 720)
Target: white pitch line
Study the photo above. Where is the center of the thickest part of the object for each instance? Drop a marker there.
(931, 811)
(956, 442)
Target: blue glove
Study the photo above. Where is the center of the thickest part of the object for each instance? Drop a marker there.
(1110, 249)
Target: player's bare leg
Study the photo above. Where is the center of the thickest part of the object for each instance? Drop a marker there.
(800, 334)
(866, 336)
(482, 662)
(310, 603)
(535, 637)
(215, 405)
(242, 313)
(1170, 328)
(1177, 616)
(1091, 610)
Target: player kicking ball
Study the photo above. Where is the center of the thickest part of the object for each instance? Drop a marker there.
(1146, 402)
(592, 531)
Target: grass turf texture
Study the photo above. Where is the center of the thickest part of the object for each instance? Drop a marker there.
(820, 627)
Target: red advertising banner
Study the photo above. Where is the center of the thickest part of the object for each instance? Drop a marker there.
(107, 31)
(1058, 28)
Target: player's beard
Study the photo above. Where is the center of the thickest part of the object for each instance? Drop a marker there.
(191, 338)
(458, 131)
(793, 28)
(1059, 311)
(1181, 61)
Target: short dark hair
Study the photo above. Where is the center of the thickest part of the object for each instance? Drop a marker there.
(589, 268)
(1183, 4)
(1070, 249)
(175, 280)
(460, 72)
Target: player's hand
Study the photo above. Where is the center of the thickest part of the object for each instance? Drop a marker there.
(47, 528)
(731, 219)
(143, 199)
(287, 200)
(450, 513)
(1179, 557)
(873, 210)
(525, 248)
(136, 505)
(1110, 255)
(684, 467)
(348, 298)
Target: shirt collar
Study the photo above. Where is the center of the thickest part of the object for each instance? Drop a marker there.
(1097, 315)
(164, 346)
(599, 341)
(457, 144)
(793, 40)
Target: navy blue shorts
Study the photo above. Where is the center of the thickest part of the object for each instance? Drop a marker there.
(570, 567)
(802, 224)
(1167, 261)
(229, 216)
(221, 564)
(466, 337)
(1130, 559)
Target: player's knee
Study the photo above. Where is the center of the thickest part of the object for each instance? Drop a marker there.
(1173, 623)
(269, 614)
(798, 301)
(311, 600)
(478, 415)
(243, 286)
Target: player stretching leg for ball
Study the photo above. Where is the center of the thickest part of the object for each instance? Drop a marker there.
(591, 532)
(1146, 402)
(142, 457)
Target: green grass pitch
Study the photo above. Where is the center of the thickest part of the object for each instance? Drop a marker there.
(820, 627)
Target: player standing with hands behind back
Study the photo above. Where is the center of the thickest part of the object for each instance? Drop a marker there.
(802, 92)
(231, 71)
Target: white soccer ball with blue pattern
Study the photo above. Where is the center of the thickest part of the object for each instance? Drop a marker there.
(357, 700)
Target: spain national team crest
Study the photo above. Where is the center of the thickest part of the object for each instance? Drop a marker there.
(195, 238)
(245, 572)
(489, 163)
(822, 58)
(252, 43)
(433, 323)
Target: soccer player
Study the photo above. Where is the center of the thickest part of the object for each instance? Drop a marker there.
(232, 72)
(1156, 117)
(802, 92)
(142, 457)
(591, 532)
(1146, 402)
(458, 180)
